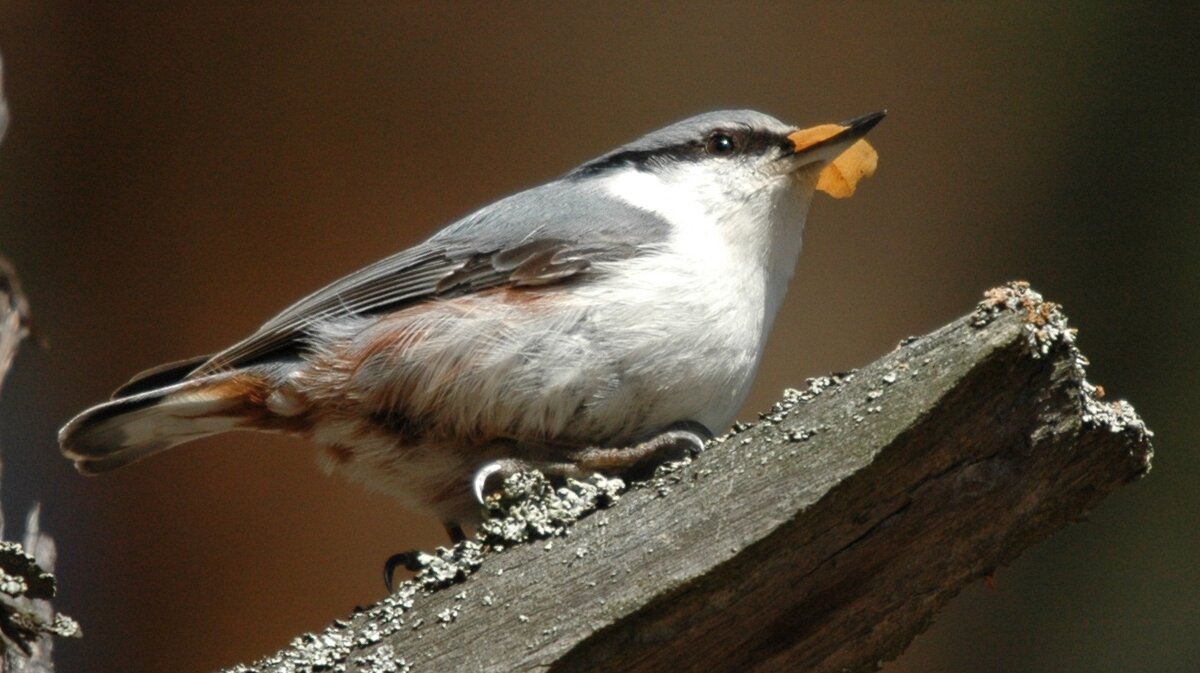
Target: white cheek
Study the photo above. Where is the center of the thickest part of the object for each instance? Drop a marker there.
(675, 201)
(704, 245)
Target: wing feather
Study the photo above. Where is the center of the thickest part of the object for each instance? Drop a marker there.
(413, 276)
(519, 241)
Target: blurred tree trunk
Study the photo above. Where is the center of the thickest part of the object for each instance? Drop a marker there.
(27, 584)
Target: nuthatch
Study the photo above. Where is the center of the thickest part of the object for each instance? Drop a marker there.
(607, 319)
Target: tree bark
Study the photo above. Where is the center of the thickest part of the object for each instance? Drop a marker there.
(823, 538)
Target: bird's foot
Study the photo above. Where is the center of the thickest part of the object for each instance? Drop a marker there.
(411, 560)
(681, 440)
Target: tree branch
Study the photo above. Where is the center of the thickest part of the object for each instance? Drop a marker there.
(823, 538)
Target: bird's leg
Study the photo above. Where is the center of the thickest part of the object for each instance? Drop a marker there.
(678, 441)
(455, 531)
(681, 440)
(410, 560)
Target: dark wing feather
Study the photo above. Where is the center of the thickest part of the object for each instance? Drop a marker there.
(416, 275)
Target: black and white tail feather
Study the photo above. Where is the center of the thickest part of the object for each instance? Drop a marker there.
(159, 409)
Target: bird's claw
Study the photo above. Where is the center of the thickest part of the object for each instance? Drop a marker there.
(479, 483)
(502, 469)
(410, 560)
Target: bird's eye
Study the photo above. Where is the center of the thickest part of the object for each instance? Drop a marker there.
(721, 144)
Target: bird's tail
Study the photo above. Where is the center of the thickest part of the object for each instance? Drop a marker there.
(143, 420)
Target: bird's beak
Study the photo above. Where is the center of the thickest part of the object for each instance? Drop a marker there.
(848, 158)
(824, 142)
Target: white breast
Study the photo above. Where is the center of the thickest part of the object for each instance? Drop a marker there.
(692, 320)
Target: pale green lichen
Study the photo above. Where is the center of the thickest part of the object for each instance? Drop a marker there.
(1046, 327)
(528, 506)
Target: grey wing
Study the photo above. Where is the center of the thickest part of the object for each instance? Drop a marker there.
(538, 237)
(414, 276)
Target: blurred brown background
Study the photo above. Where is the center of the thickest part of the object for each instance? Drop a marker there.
(175, 175)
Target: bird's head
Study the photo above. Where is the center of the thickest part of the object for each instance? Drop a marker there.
(729, 160)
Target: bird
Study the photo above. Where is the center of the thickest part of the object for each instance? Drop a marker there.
(611, 318)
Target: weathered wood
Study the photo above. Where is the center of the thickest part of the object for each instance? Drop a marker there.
(823, 538)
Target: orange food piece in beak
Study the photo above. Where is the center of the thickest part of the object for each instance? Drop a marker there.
(840, 177)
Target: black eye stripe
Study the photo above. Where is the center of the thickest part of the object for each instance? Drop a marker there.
(747, 141)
